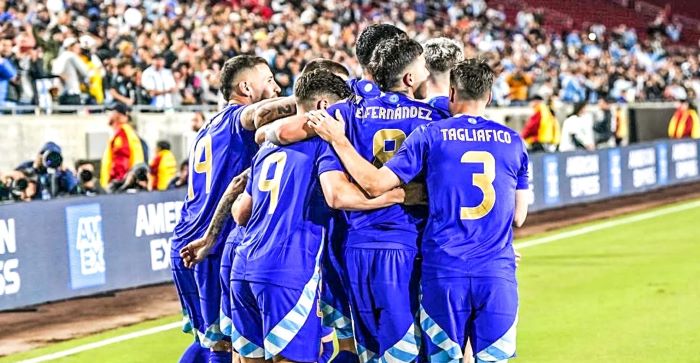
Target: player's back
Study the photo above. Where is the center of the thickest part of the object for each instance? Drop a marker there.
(221, 150)
(473, 169)
(377, 127)
(284, 236)
(442, 104)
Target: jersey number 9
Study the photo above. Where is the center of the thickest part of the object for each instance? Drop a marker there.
(385, 144)
(272, 185)
(199, 166)
(483, 181)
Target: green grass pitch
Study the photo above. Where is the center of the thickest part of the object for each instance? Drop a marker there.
(630, 293)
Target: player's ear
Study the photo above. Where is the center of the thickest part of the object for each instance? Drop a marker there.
(490, 99)
(322, 104)
(244, 88)
(408, 79)
(452, 95)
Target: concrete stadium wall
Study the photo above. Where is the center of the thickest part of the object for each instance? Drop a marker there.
(84, 136)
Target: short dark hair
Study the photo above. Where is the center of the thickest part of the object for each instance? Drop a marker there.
(441, 54)
(391, 58)
(371, 37)
(319, 82)
(124, 63)
(322, 63)
(163, 145)
(472, 79)
(232, 68)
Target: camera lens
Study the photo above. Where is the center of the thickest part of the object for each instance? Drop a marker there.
(85, 175)
(53, 159)
(20, 184)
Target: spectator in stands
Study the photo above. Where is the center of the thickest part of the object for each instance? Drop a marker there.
(124, 149)
(72, 71)
(159, 83)
(89, 185)
(180, 180)
(163, 166)
(53, 178)
(8, 72)
(603, 125)
(518, 81)
(122, 87)
(577, 130)
(684, 122)
(96, 70)
(541, 131)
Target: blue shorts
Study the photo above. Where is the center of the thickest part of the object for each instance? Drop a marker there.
(335, 305)
(271, 320)
(225, 277)
(233, 240)
(207, 275)
(186, 286)
(483, 309)
(383, 286)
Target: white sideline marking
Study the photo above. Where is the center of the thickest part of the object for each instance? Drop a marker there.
(102, 343)
(608, 224)
(526, 244)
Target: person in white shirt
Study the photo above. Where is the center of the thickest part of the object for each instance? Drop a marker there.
(72, 71)
(577, 130)
(159, 83)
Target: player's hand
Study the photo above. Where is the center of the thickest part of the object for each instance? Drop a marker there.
(327, 127)
(415, 194)
(396, 195)
(518, 257)
(195, 251)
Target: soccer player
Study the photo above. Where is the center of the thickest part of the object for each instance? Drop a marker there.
(441, 55)
(222, 150)
(381, 245)
(276, 270)
(477, 180)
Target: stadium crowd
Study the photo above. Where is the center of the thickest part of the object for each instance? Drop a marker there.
(169, 53)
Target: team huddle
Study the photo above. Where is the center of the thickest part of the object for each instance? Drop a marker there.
(361, 220)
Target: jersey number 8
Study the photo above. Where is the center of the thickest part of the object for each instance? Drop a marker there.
(385, 144)
(199, 166)
(272, 185)
(483, 181)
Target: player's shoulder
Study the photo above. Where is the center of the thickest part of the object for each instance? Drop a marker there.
(363, 89)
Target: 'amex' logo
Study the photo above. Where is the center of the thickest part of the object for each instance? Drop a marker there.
(90, 245)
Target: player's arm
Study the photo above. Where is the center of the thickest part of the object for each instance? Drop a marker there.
(340, 193)
(288, 130)
(195, 251)
(248, 113)
(242, 209)
(374, 181)
(276, 109)
(521, 202)
(522, 189)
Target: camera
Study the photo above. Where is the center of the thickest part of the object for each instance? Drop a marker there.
(86, 175)
(52, 159)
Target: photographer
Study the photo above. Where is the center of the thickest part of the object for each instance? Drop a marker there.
(136, 180)
(180, 180)
(89, 185)
(18, 185)
(53, 180)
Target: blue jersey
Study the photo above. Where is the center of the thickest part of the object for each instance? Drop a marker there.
(442, 104)
(221, 150)
(376, 128)
(363, 88)
(474, 167)
(284, 236)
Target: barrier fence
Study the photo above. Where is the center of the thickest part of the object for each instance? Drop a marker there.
(59, 249)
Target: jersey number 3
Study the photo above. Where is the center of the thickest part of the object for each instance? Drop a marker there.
(483, 181)
(199, 166)
(272, 185)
